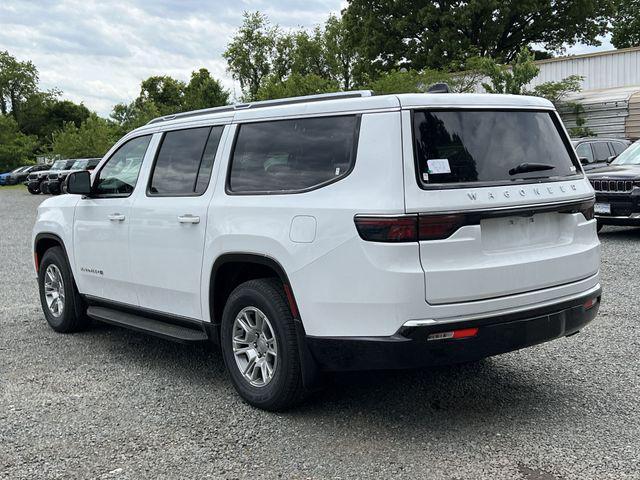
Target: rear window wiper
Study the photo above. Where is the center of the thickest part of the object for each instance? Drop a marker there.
(530, 167)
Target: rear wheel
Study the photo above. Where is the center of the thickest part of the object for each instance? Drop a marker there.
(62, 305)
(259, 345)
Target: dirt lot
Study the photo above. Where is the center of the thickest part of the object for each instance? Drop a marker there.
(110, 403)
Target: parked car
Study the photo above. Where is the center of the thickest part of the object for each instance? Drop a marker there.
(596, 152)
(333, 232)
(4, 177)
(53, 184)
(617, 189)
(21, 176)
(35, 179)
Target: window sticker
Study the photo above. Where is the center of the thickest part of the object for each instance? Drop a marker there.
(438, 166)
(425, 177)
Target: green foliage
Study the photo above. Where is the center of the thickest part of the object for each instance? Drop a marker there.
(18, 81)
(92, 138)
(295, 85)
(407, 81)
(511, 79)
(580, 130)
(341, 54)
(251, 51)
(422, 34)
(555, 91)
(16, 148)
(163, 95)
(203, 91)
(626, 24)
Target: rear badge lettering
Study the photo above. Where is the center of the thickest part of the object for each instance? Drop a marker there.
(535, 191)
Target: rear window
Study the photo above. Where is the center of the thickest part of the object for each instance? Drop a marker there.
(489, 146)
(288, 156)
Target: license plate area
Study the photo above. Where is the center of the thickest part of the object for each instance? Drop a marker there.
(521, 232)
(602, 208)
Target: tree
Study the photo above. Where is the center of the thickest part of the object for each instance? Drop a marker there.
(251, 51)
(133, 115)
(164, 91)
(508, 79)
(407, 81)
(438, 34)
(340, 52)
(555, 91)
(16, 148)
(204, 91)
(92, 139)
(626, 24)
(18, 81)
(295, 85)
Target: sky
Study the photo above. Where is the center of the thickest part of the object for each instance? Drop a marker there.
(98, 52)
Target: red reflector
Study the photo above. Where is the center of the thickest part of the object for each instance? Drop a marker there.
(590, 303)
(388, 229)
(465, 332)
(437, 227)
(35, 259)
(462, 333)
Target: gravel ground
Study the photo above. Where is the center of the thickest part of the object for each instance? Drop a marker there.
(114, 404)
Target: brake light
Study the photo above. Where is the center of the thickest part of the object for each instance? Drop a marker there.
(388, 229)
(409, 228)
(437, 227)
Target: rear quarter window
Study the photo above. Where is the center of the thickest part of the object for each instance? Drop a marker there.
(289, 156)
(485, 146)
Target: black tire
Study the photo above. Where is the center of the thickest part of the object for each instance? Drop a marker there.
(33, 189)
(72, 317)
(285, 388)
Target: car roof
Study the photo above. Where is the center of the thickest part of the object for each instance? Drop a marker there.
(340, 103)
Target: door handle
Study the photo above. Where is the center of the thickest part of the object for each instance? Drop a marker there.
(116, 217)
(188, 218)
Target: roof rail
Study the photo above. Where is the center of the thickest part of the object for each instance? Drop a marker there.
(266, 103)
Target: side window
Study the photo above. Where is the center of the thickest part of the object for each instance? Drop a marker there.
(601, 151)
(184, 162)
(119, 175)
(584, 151)
(618, 147)
(292, 155)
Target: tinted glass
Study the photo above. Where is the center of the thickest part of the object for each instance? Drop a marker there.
(80, 164)
(58, 165)
(292, 155)
(618, 147)
(120, 174)
(631, 156)
(178, 162)
(584, 151)
(601, 151)
(93, 163)
(206, 165)
(484, 146)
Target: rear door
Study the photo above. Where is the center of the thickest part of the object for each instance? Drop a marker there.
(499, 196)
(169, 222)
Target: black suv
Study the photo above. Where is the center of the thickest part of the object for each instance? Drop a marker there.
(617, 189)
(596, 152)
(54, 183)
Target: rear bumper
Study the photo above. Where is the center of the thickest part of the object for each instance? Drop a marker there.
(409, 347)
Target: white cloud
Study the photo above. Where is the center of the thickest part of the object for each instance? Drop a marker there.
(98, 52)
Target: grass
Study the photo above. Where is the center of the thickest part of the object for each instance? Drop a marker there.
(13, 187)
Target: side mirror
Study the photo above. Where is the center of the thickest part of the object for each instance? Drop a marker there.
(584, 160)
(611, 158)
(79, 183)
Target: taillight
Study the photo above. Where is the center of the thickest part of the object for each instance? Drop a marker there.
(408, 228)
(388, 229)
(437, 227)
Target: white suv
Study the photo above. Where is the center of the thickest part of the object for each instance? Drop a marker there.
(332, 232)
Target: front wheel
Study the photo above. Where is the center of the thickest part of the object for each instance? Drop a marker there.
(260, 347)
(34, 189)
(62, 305)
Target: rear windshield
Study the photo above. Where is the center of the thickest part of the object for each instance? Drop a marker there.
(489, 146)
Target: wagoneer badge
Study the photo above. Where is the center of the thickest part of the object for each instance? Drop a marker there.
(535, 192)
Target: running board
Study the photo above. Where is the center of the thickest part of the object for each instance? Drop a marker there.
(157, 328)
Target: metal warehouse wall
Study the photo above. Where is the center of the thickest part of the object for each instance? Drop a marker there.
(616, 68)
